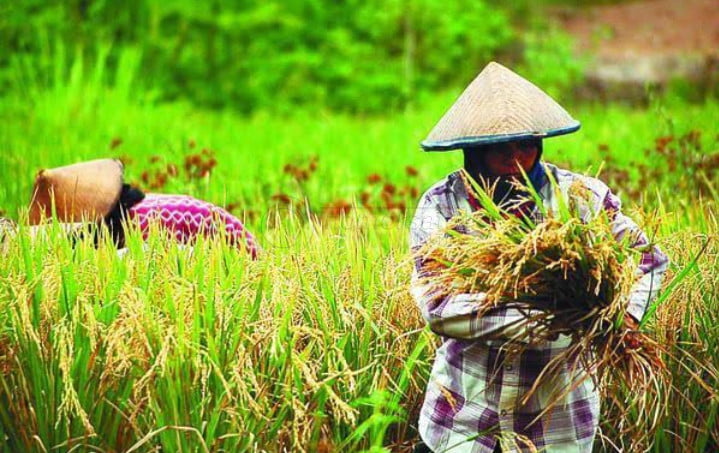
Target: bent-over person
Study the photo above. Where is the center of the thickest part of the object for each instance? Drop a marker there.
(94, 191)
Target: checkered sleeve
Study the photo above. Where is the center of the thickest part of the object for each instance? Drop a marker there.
(653, 263)
(454, 316)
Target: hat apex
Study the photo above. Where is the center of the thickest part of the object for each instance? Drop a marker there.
(499, 106)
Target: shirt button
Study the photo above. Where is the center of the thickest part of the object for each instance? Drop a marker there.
(508, 367)
(503, 413)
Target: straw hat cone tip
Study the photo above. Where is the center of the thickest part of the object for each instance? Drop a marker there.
(499, 106)
(86, 191)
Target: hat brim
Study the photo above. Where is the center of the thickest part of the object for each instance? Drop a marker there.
(471, 142)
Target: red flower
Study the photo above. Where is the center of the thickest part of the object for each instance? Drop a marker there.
(389, 188)
(374, 178)
(338, 208)
(115, 142)
(282, 198)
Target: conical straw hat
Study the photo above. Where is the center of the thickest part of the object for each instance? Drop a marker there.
(86, 191)
(499, 106)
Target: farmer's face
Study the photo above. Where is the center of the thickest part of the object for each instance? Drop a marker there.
(504, 159)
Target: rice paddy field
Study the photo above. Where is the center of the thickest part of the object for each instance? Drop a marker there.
(317, 346)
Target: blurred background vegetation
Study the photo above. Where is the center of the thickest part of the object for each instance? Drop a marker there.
(263, 89)
(357, 56)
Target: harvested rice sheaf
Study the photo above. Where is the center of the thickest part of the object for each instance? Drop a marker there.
(567, 265)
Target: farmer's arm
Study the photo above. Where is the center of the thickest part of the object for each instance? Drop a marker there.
(653, 262)
(455, 315)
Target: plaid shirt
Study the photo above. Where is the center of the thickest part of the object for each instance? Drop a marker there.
(476, 387)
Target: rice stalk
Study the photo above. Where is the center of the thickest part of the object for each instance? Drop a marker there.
(172, 348)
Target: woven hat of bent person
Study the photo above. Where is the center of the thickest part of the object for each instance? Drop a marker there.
(86, 191)
(498, 106)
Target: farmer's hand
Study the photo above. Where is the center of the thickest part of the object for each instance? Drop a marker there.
(630, 323)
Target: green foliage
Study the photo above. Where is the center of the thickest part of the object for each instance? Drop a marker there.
(83, 121)
(552, 50)
(355, 55)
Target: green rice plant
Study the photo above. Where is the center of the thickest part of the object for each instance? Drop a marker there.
(78, 117)
(177, 348)
(355, 275)
(685, 323)
(201, 348)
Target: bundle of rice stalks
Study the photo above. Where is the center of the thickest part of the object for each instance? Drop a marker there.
(562, 267)
(563, 262)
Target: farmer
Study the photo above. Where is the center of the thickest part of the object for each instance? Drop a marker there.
(94, 191)
(476, 388)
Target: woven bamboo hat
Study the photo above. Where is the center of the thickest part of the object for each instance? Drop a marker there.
(499, 106)
(85, 191)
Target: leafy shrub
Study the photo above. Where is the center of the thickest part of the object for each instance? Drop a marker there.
(359, 56)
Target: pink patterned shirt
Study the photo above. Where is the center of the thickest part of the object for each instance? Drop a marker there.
(186, 217)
